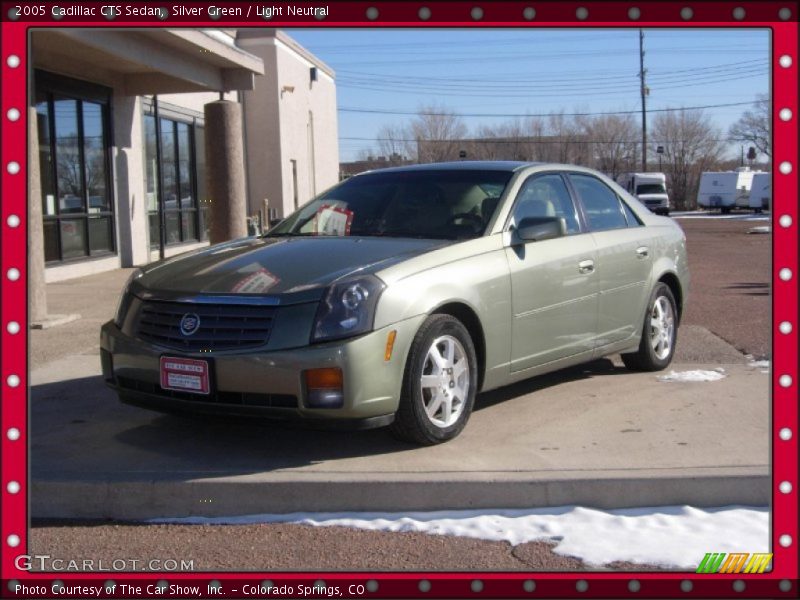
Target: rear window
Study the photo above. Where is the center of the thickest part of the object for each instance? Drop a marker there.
(601, 205)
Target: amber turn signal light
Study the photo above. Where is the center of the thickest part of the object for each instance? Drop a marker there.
(387, 356)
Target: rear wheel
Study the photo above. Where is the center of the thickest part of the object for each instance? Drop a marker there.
(659, 333)
(439, 383)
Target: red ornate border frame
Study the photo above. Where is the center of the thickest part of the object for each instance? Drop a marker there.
(781, 582)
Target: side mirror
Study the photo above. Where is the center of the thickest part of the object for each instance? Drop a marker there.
(538, 229)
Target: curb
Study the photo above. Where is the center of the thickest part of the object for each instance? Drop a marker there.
(133, 501)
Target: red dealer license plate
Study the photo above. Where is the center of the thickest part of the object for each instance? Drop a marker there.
(184, 375)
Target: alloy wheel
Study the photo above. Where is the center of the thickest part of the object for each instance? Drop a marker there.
(445, 381)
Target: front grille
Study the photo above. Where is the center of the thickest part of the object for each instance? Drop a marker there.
(222, 326)
(239, 398)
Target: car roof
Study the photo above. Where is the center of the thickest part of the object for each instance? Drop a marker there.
(463, 165)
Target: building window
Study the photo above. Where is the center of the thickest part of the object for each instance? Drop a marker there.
(174, 158)
(77, 204)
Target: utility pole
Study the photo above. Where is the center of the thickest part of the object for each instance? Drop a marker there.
(642, 73)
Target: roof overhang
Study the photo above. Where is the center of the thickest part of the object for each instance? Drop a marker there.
(148, 61)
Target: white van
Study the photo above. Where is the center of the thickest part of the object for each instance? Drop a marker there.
(761, 192)
(725, 189)
(649, 188)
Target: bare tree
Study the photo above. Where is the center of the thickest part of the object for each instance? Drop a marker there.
(395, 141)
(437, 132)
(754, 126)
(505, 141)
(613, 139)
(691, 146)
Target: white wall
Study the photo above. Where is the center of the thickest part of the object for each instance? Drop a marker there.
(278, 113)
(309, 103)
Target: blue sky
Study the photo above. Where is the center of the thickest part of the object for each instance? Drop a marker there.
(533, 71)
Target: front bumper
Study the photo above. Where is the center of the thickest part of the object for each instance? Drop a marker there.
(270, 384)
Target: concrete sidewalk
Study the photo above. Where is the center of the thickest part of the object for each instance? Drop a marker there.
(595, 435)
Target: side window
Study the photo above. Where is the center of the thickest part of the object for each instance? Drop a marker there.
(600, 203)
(546, 196)
(633, 220)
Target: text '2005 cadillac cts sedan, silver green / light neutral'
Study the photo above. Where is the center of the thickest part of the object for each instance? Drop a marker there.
(397, 295)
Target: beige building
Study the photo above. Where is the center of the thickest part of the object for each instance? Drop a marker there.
(295, 156)
(121, 172)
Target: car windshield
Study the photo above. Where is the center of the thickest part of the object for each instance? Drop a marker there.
(435, 204)
(651, 188)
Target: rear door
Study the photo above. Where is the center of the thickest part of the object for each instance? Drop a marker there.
(623, 260)
(554, 296)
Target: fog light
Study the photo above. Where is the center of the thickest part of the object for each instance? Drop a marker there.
(324, 388)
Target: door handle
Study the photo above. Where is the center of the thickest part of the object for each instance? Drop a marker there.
(642, 252)
(586, 266)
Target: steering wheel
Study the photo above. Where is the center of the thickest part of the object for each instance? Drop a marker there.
(467, 218)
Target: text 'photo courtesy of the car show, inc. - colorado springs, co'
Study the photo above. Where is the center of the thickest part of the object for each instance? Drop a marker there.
(399, 299)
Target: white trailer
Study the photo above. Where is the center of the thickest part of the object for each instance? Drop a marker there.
(761, 192)
(725, 190)
(649, 188)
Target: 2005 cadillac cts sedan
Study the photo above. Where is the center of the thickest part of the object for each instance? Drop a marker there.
(397, 295)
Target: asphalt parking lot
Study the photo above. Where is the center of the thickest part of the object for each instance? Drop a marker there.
(590, 431)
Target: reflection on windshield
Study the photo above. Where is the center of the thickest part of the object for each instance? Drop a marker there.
(436, 204)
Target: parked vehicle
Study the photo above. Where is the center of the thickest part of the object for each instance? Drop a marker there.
(725, 189)
(397, 295)
(761, 191)
(649, 188)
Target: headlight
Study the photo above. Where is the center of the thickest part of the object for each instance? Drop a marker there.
(124, 302)
(348, 309)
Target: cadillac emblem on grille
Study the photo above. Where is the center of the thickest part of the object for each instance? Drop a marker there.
(190, 323)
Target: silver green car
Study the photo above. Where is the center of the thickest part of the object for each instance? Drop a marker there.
(393, 298)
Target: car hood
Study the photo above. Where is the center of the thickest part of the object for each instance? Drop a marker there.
(296, 268)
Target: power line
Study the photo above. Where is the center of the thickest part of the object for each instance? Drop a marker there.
(381, 111)
(564, 78)
(577, 54)
(551, 92)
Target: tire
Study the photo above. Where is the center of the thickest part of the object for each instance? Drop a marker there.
(432, 383)
(659, 333)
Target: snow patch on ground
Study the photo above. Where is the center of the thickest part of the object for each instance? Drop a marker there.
(693, 376)
(758, 364)
(667, 536)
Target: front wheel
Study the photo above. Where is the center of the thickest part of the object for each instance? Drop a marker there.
(659, 333)
(439, 383)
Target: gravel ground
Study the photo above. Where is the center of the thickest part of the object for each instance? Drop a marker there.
(731, 290)
(283, 547)
(730, 297)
